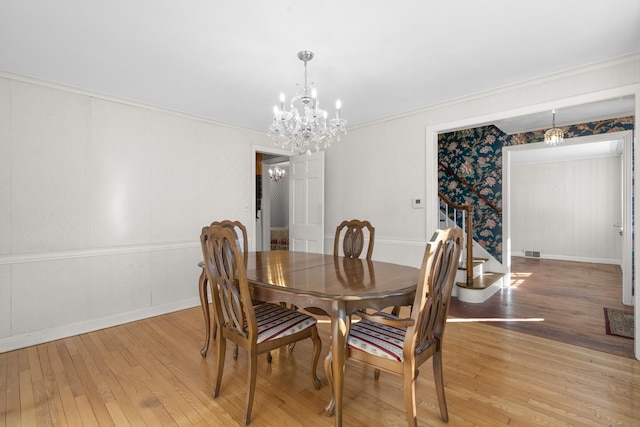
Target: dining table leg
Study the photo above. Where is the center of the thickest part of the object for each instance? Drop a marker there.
(339, 329)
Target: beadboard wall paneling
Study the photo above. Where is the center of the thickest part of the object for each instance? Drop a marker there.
(568, 209)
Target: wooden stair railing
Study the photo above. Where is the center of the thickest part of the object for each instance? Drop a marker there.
(468, 186)
(468, 221)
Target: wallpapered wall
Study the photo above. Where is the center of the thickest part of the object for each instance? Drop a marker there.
(475, 155)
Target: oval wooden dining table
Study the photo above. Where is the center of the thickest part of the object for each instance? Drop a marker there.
(339, 286)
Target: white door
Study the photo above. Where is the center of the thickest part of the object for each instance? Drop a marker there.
(306, 207)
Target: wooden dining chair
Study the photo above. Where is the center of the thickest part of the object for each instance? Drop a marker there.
(203, 283)
(352, 235)
(256, 329)
(387, 342)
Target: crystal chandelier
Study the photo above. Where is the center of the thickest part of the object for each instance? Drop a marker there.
(277, 174)
(304, 127)
(554, 136)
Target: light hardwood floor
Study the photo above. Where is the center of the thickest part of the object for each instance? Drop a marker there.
(150, 373)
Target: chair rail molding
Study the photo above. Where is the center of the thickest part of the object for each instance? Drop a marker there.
(92, 252)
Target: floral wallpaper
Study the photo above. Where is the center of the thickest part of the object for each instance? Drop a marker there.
(475, 156)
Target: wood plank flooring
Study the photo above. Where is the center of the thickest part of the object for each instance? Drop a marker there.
(568, 297)
(150, 373)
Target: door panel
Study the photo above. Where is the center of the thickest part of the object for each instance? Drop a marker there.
(306, 210)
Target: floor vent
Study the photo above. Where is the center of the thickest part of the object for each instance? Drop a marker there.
(532, 254)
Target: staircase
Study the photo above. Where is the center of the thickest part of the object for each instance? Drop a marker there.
(484, 276)
(483, 283)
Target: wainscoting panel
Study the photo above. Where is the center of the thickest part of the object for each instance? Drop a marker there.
(45, 299)
(120, 283)
(5, 301)
(46, 294)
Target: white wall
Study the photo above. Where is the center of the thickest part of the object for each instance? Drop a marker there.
(372, 174)
(567, 209)
(101, 207)
(376, 170)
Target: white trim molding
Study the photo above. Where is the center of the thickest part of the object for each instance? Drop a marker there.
(92, 252)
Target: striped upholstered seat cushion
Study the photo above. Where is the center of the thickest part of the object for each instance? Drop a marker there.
(379, 340)
(275, 321)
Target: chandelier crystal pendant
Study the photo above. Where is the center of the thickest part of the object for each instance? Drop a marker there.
(304, 127)
(553, 136)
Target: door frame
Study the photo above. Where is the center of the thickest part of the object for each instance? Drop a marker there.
(626, 137)
(431, 161)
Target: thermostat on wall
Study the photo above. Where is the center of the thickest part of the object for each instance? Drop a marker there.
(417, 203)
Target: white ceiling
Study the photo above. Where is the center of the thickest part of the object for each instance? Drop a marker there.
(229, 60)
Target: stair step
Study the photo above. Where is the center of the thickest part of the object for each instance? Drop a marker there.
(476, 262)
(483, 281)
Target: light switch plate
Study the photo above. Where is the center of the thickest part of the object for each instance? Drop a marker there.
(417, 203)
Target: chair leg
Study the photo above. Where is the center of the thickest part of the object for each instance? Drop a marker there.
(329, 373)
(410, 394)
(251, 385)
(438, 375)
(204, 302)
(222, 347)
(317, 348)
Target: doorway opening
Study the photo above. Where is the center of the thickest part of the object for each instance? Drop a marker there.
(306, 199)
(272, 217)
(271, 198)
(617, 232)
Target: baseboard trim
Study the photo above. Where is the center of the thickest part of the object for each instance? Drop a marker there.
(56, 333)
(573, 258)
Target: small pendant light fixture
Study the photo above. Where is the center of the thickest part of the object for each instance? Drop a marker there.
(553, 136)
